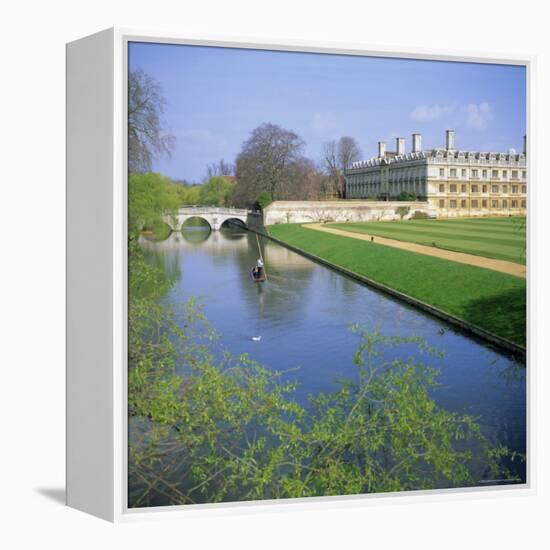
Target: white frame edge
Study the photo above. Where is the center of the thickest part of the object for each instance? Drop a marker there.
(108, 447)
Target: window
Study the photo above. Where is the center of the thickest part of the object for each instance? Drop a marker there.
(453, 172)
(514, 188)
(494, 173)
(505, 173)
(523, 174)
(484, 189)
(515, 174)
(463, 172)
(514, 204)
(474, 173)
(484, 203)
(505, 189)
(441, 203)
(462, 203)
(452, 188)
(442, 172)
(504, 203)
(474, 188)
(494, 188)
(524, 188)
(442, 188)
(523, 203)
(494, 204)
(484, 173)
(463, 188)
(452, 204)
(474, 204)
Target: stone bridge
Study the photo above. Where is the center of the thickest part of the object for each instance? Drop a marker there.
(215, 216)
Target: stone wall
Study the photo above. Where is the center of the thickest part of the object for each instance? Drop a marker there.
(343, 211)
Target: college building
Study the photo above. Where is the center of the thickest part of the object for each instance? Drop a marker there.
(454, 182)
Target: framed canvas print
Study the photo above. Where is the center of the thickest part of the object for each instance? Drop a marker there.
(296, 274)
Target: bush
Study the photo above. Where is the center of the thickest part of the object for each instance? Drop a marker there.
(419, 215)
(262, 200)
(406, 196)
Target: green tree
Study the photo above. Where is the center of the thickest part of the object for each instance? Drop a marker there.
(216, 191)
(151, 197)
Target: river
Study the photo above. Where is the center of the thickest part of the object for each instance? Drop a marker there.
(300, 319)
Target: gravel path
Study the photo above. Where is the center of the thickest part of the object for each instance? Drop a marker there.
(518, 270)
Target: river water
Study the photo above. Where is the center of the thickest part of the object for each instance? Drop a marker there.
(300, 319)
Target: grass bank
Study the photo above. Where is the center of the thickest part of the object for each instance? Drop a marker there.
(500, 238)
(491, 300)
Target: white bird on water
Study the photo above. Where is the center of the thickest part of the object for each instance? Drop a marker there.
(256, 338)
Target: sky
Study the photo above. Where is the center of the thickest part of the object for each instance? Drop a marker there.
(215, 97)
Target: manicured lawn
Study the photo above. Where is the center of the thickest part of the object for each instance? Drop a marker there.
(500, 238)
(489, 299)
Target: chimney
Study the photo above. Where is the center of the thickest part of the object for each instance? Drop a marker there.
(381, 149)
(450, 140)
(417, 143)
(525, 144)
(400, 146)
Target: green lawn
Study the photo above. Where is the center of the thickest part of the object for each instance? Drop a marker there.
(489, 299)
(501, 238)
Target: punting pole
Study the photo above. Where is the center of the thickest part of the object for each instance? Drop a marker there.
(261, 257)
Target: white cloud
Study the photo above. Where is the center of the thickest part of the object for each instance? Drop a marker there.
(473, 115)
(432, 112)
(478, 115)
(320, 122)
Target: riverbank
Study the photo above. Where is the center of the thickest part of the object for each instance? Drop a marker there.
(493, 302)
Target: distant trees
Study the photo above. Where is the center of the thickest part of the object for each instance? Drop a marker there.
(147, 138)
(266, 162)
(406, 196)
(220, 168)
(271, 164)
(338, 156)
(216, 191)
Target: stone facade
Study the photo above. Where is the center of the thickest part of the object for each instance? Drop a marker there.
(453, 182)
(344, 211)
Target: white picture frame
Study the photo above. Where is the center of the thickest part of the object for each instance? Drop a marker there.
(96, 368)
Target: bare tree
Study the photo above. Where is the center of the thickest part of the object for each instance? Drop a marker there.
(147, 138)
(265, 161)
(338, 157)
(330, 155)
(220, 168)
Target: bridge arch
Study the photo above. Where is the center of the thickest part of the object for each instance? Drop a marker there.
(234, 221)
(190, 221)
(214, 216)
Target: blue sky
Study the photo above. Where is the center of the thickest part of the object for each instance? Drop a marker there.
(217, 96)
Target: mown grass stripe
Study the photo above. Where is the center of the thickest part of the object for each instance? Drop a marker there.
(489, 299)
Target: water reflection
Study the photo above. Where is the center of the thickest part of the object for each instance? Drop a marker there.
(303, 313)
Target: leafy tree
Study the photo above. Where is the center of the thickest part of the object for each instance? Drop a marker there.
(264, 199)
(402, 211)
(216, 191)
(150, 198)
(406, 196)
(147, 138)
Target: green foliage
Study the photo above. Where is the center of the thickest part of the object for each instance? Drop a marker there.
(406, 196)
(419, 215)
(189, 194)
(262, 200)
(490, 299)
(151, 196)
(210, 427)
(402, 211)
(216, 191)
